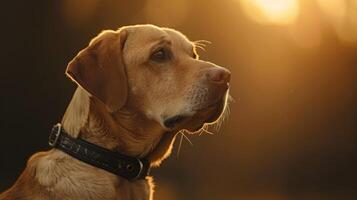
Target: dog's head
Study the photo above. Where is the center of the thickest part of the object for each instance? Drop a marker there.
(154, 72)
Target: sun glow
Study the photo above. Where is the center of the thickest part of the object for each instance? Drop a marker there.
(342, 14)
(280, 12)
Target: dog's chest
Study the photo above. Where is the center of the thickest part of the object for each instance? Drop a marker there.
(75, 180)
(77, 187)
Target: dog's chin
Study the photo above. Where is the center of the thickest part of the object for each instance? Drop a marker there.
(206, 116)
(194, 122)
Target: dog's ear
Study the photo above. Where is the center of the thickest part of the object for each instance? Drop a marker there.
(100, 70)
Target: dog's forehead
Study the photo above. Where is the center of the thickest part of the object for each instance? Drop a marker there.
(144, 35)
(178, 38)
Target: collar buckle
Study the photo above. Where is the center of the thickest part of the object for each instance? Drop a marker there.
(55, 134)
(139, 174)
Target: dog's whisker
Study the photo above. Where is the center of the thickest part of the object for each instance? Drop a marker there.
(209, 132)
(180, 144)
(200, 132)
(181, 139)
(203, 42)
(217, 125)
(200, 47)
(189, 141)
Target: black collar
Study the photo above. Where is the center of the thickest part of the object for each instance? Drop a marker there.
(128, 167)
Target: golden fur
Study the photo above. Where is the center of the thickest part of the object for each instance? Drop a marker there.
(122, 102)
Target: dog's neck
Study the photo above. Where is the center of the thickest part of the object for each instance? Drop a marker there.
(123, 131)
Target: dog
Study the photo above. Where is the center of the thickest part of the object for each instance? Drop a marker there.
(138, 86)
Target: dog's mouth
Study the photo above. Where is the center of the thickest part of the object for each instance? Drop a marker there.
(172, 122)
(177, 120)
(190, 122)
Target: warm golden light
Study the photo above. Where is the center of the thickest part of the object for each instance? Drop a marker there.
(308, 31)
(336, 9)
(343, 16)
(281, 12)
(166, 13)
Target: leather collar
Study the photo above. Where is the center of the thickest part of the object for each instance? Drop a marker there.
(125, 166)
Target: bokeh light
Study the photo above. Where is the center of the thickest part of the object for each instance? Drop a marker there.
(342, 14)
(307, 32)
(279, 12)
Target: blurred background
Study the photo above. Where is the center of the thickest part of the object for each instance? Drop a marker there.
(292, 131)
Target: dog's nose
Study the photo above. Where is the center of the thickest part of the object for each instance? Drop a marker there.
(219, 75)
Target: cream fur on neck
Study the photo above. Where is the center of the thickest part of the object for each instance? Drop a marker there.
(77, 112)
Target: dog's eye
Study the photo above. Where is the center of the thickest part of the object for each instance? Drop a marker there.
(160, 55)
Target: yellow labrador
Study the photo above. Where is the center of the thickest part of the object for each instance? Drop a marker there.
(138, 86)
